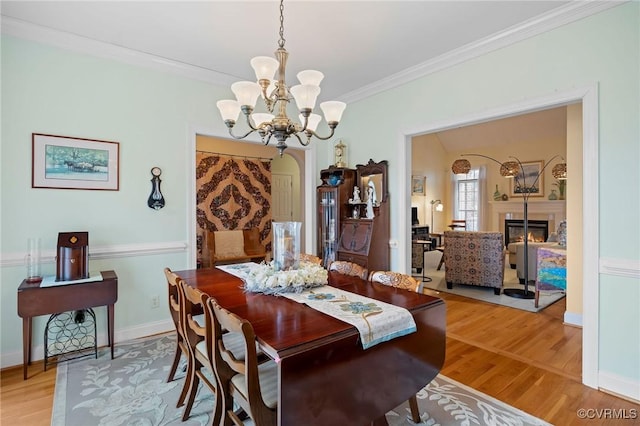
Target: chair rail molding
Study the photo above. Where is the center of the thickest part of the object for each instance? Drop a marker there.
(103, 252)
(628, 268)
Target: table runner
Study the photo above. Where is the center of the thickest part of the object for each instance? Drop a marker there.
(376, 321)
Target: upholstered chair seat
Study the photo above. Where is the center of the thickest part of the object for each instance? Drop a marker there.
(474, 258)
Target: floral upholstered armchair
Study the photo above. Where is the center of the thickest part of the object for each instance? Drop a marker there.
(474, 258)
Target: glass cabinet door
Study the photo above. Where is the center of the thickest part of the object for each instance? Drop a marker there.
(328, 223)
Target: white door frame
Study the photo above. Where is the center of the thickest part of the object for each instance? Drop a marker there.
(590, 205)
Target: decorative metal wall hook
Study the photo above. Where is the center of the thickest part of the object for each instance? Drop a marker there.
(156, 200)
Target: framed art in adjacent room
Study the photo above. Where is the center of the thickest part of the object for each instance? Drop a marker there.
(526, 181)
(418, 184)
(74, 163)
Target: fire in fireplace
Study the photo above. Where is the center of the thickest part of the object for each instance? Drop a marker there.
(538, 230)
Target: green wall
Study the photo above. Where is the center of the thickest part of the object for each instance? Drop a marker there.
(603, 49)
(48, 90)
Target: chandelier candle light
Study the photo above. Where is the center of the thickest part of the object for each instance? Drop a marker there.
(278, 93)
(511, 169)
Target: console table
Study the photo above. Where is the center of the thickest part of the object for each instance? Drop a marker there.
(34, 300)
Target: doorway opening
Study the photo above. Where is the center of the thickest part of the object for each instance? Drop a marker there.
(586, 212)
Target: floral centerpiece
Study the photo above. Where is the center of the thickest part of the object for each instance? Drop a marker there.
(264, 278)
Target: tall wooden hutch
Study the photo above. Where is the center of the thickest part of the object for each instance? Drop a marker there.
(332, 198)
(364, 240)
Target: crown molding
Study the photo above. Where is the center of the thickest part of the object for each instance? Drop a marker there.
(555, 18)
(75, 43)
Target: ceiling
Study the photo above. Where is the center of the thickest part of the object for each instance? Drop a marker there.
(361, 46)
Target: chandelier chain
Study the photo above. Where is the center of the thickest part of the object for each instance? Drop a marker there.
(281, 41)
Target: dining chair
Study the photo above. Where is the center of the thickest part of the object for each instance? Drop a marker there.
(194, 328)
(407, 282)
(251, 384)
(304, 257)
(349, 268)
(181, 346)
(396, 279)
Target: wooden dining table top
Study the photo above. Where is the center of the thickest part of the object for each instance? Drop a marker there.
(325, 377)
(282, 325)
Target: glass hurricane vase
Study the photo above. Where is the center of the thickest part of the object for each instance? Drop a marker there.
(286, 245)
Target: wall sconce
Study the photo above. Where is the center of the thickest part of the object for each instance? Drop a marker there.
(436, 205)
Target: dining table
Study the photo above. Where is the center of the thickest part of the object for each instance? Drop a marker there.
(325, 377)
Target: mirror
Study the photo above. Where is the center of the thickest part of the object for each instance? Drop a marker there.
(373, 179)
(372, 184)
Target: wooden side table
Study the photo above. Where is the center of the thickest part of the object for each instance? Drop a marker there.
(34, 300)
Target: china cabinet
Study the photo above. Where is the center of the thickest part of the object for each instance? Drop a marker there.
(364, 235)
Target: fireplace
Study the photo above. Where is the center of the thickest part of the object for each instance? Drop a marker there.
(514, 230)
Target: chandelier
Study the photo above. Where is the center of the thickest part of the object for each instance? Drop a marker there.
(276, 95)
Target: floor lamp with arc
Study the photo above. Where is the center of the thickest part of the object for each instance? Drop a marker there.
(511, 169)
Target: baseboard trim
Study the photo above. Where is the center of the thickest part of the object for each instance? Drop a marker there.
(573, 318)
(12, 359)
(619, 386)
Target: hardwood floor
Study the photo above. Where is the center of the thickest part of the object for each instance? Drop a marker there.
(531, 361)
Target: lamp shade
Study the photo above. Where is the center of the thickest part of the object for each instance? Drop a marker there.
(311, 77)
(305, 95)
(312, 121)
(461, 166)
(229, 110)
(559, 171)
(261, 117)
(509, 169)
(246, 92)
(333, 110)
(265, 67)
(439, 207)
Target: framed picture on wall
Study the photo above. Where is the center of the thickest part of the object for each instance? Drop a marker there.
(530, 180)
(418, 184)
(65, 162)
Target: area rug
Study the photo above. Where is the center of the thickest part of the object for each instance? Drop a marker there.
(132, 390)
(486, 294)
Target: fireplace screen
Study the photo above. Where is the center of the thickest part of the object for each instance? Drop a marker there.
(538, 230)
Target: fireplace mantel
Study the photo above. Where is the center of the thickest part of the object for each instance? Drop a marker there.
(553, 211)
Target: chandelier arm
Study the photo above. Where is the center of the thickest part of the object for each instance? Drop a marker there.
(240, 137)
(251, 126)
(322, 138)
(300, 139)
(268, 139)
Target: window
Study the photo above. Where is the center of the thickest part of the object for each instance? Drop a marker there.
(467, 194)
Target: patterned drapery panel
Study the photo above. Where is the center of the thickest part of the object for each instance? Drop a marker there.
(233, 193)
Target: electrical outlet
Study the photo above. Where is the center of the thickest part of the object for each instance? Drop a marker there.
(155, 301)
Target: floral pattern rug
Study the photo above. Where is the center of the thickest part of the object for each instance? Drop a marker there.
(132, 390)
